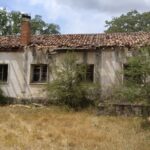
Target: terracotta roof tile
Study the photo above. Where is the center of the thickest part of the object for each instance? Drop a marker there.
(80, 40)
(9, 41)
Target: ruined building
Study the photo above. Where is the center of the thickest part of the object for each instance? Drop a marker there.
(27, 61)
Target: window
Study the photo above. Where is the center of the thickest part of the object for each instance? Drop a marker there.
(126, 67)
(39, 73)
(90, 73)
(3, 72)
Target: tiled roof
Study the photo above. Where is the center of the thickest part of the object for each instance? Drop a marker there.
(9, 41)
(86, 41)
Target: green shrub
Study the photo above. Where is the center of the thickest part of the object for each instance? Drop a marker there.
(69, 87)
(5, 100)
(125, 94)
(1, 94)
(137, 87)
(2, 98)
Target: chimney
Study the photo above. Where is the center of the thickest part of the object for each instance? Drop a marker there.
(25, 29)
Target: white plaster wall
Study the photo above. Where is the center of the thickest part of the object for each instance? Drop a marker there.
(111, 70)
(34, 90)
(38, 90)
(90, 56)
(19, 68)
(107, 67)
(15, 84)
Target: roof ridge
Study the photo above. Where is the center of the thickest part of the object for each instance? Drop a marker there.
(71, 34)
(87, 40)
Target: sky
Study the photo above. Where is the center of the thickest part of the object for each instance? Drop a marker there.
(76, 16)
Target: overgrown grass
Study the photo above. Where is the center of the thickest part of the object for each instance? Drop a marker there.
(57, 129)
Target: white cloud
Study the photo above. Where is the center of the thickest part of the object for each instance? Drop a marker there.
(109, 6)
(80, 16)
(85, 23)
(73, 21)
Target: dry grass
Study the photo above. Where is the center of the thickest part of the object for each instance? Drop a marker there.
(56, 129)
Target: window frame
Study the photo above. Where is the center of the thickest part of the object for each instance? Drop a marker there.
(32, 74)
(87, 71)
(5, 82)
(85, 78)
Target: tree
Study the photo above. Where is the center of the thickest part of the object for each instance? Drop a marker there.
(37, 25)
(10, 23)
(5, 23)
(133, 21)
(40, 27)
(51, 29)
(69, 87)
(15, 19)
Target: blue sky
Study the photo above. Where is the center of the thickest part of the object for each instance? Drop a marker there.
(76, 16)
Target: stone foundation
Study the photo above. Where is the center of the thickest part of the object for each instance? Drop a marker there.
(124, 109)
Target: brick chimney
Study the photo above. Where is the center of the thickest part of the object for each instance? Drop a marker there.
(25, 29)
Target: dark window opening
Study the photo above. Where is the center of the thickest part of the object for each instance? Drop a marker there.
(90, 73)
(3, 72)
(39, 73)
(126, 76)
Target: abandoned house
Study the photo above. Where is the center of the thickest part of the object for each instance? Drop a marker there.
(27, 61)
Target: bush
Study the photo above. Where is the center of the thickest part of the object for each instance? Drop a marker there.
(136, 88)
(3, 100)
(1, 94)
(69, 88)
(127, 94)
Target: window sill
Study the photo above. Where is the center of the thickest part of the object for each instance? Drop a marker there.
(38, 83)
(4, 83)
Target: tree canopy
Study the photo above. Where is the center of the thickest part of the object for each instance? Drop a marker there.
(10, 23)
(132, 21)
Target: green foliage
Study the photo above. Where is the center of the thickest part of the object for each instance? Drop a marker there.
(15, 19)
(137, 87)
(3, 99)
(40, 27)
(4, 23)
(127, 94)
(133, 21)
(10, 23)
(68, 88)
(1, 94)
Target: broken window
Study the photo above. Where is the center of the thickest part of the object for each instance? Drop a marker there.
(3, 72)
(39, 73)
